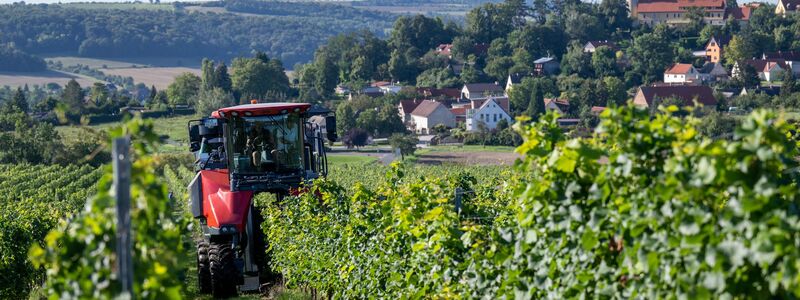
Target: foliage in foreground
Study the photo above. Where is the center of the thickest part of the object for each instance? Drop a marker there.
(645, 208)
(79, 255)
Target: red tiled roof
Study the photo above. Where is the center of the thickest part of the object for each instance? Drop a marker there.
(502, 101)
(652, 6)
(459, 111)
(380, 83)
(426, 108)
(444, 49)
(687, 93)
(598, 109)
(740, 13)
(679, 69)
(559, 102)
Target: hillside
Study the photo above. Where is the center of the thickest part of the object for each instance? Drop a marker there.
(291, 33)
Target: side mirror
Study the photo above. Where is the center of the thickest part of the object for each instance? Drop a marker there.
(194, 137)
(330, 126)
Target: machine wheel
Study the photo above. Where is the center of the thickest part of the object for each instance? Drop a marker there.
(203, 271)
(223, 270)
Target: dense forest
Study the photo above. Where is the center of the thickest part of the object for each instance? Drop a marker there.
(112, 33)
(15, 60)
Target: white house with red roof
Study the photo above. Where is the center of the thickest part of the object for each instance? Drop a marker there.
(681, 73)
(486, 116)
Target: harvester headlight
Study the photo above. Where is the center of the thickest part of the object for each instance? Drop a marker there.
(247, 113)
(284, 111)
(297, 109)
(235, 114)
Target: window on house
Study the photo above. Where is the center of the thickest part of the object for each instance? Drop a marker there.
(495, 118)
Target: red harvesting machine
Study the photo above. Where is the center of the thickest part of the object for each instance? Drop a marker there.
(241, 151)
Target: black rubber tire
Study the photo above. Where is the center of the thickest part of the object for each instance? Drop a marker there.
(223, 270)
(203, 269)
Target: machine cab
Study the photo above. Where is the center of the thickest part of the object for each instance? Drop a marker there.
(269, 147)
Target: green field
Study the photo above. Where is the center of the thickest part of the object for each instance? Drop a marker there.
(334, 159)
(173, 128)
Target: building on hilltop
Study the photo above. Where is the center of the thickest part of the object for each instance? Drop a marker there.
(676, 12)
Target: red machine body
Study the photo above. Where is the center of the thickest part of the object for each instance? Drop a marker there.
(222, 206)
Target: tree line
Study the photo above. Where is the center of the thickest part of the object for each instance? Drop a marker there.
(140, 33)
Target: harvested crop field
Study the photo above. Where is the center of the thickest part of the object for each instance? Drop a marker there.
(127, 62)
(14, 79)
(159, 77)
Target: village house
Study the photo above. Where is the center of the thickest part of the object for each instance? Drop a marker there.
(444, 50)
(714, 48)
(713, 72)
(546, 66)
(516, 78)
(428, 114)
(486, 116)
(768, 69)
(771, 90)
(444, 93)
(561, 106)
(651, 96)
(474, 91)
(406, 107)
(742, 13)
(675, 12)
(591, 46)
(791, 58)
(681, 73)
(787, 7)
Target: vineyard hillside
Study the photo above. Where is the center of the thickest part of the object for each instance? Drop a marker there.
(34, 199)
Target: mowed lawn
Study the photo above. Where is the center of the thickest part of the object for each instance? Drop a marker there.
(334, 159)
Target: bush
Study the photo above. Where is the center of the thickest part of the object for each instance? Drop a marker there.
(644, 208)
(79, 255)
